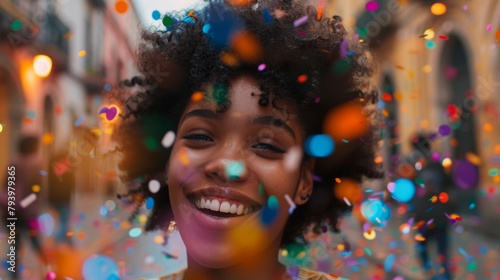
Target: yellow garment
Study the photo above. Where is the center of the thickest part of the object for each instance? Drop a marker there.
(304, 274)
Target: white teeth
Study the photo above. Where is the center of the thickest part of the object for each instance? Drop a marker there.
(214, 206)
(232, 210)
(239, 211)
(224, 207)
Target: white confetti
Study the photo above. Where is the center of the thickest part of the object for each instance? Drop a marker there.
(292, 159)
(292, 204)
(154, 186)
(28, 200)
(168, 139)
(347, 201)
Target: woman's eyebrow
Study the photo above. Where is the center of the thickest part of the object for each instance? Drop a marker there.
(260, 120)
(204, 113)
(271, 120)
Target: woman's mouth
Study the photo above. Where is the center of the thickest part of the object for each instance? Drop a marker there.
(223, 205)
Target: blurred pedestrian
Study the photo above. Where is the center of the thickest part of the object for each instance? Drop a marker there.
(430, 207)
(61, 190)
(28, 184)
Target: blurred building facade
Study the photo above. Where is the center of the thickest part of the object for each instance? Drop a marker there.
(437, 73)
(91, 48)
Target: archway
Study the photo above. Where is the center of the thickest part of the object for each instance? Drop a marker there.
(460, 100)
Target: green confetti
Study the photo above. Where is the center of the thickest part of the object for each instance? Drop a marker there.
(167, 21)
(16, 25)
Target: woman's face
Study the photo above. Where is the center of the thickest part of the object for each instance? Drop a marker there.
(225, 167)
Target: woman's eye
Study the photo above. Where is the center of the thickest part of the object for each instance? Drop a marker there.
(197, 136)
(269, 147)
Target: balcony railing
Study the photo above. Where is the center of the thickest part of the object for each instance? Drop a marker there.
(53, 39)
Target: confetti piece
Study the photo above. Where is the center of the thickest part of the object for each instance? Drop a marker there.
(28, 200)
(35, 188)
(291, 203)
(488, 27)
(438, 9)
(320, 145)
(121, 6)
(100, 267)
(389, 261)
(262, 67)
(370, 234)
(135, 232)
(235, 170)
(300, 21)
(372, 6)
(156, 15)
(270, 211)
(150, 202)
(168, 139)
(79, 121)
(82, 53)
(443, 197)
(404, 190)
(347, 201)
(247, 46)
(302, 79)
(443, 37)
(292, 159)
(154, 186)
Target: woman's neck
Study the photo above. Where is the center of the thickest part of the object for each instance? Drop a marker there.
(264, 266)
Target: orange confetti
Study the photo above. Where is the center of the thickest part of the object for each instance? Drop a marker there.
(497, 35)
(58, 110)
(229, 59)
(346, 122)
(239, 3)
(121, 6)
(319, 15)
(419, 237)
(443, 197)
(349, 189)
(302, 78)
(197, 96)
(247, 47)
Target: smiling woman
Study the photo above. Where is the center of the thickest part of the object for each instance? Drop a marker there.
(238, 182)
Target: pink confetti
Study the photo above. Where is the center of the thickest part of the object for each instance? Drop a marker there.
(488, 27)
(372, 6)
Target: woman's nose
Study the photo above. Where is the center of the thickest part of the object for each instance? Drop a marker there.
(226, 170)
(227, 165)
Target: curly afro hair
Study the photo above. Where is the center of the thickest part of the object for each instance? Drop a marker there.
(290, 40)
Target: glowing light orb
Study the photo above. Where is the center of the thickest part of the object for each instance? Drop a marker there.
(320, 145)
(42, 65)
(404, 190)
(438, 9)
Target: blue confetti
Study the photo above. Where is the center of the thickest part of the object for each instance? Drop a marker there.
(150, 202)
(156, 15)
(389, 261)
(79, 121)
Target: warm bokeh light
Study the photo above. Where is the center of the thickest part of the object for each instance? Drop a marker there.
(346, 122)
(438, 9)
(42, 65)
(247, 47)
(349, 189)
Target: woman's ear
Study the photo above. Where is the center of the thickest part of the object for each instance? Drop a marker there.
(305, 186)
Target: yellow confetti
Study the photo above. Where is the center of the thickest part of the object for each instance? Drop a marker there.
(35, 188)
(82, 53)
